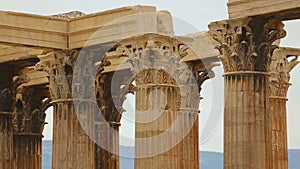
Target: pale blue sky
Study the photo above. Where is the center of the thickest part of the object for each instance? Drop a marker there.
(198, 14)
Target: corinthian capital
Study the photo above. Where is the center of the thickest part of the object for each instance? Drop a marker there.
(246, 44)
(29, 114)
(59, 65)
(283, 61)
(204, 72)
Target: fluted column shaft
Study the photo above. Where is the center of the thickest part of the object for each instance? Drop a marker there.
(115, 143)
(183, 155)
(166, 159)
(245, 121)
(246, 46)
(283, 61)
(156, 112)
(29, 122)
(111, 96)
(8, 88)
(189, 115)
(72, 147)
(167, 103)
(189, 146)
(28, 151)
(278, 127)
(6, 140)
(107, 158)
(74, 107)
(189, 129)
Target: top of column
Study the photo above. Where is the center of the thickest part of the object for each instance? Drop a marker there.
(246, 44)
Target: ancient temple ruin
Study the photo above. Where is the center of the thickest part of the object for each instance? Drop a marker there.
(84, 65)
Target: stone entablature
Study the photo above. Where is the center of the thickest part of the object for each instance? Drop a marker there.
(64, 33)
(279, 9)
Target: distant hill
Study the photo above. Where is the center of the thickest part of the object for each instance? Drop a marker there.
(47, 154)
(208, 160)
(211, 160)
(294, 159)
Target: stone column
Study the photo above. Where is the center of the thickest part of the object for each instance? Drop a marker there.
(72, 145)
(6, 137)
(108, 157)
(157, 95)
(189, 146)
(246, 47)
(167, 100)
(111, 97)
(156, 111)
(279, 84)
(8, 89)
(29, 121)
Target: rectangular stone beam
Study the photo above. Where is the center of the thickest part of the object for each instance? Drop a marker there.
(281, 9)
(201, 47)
(14, 53)
(288, 51)
(61, 33)
(37, 78)
(112, 25)
(33, 30)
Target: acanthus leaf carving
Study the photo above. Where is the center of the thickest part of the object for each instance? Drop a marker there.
(29, 114)
(8, 95)
(59, 65)
(19, 119)
(111, 96)
(280, 68)
(6, 100)
(38, 121)
(246, 44)
(159, 62)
